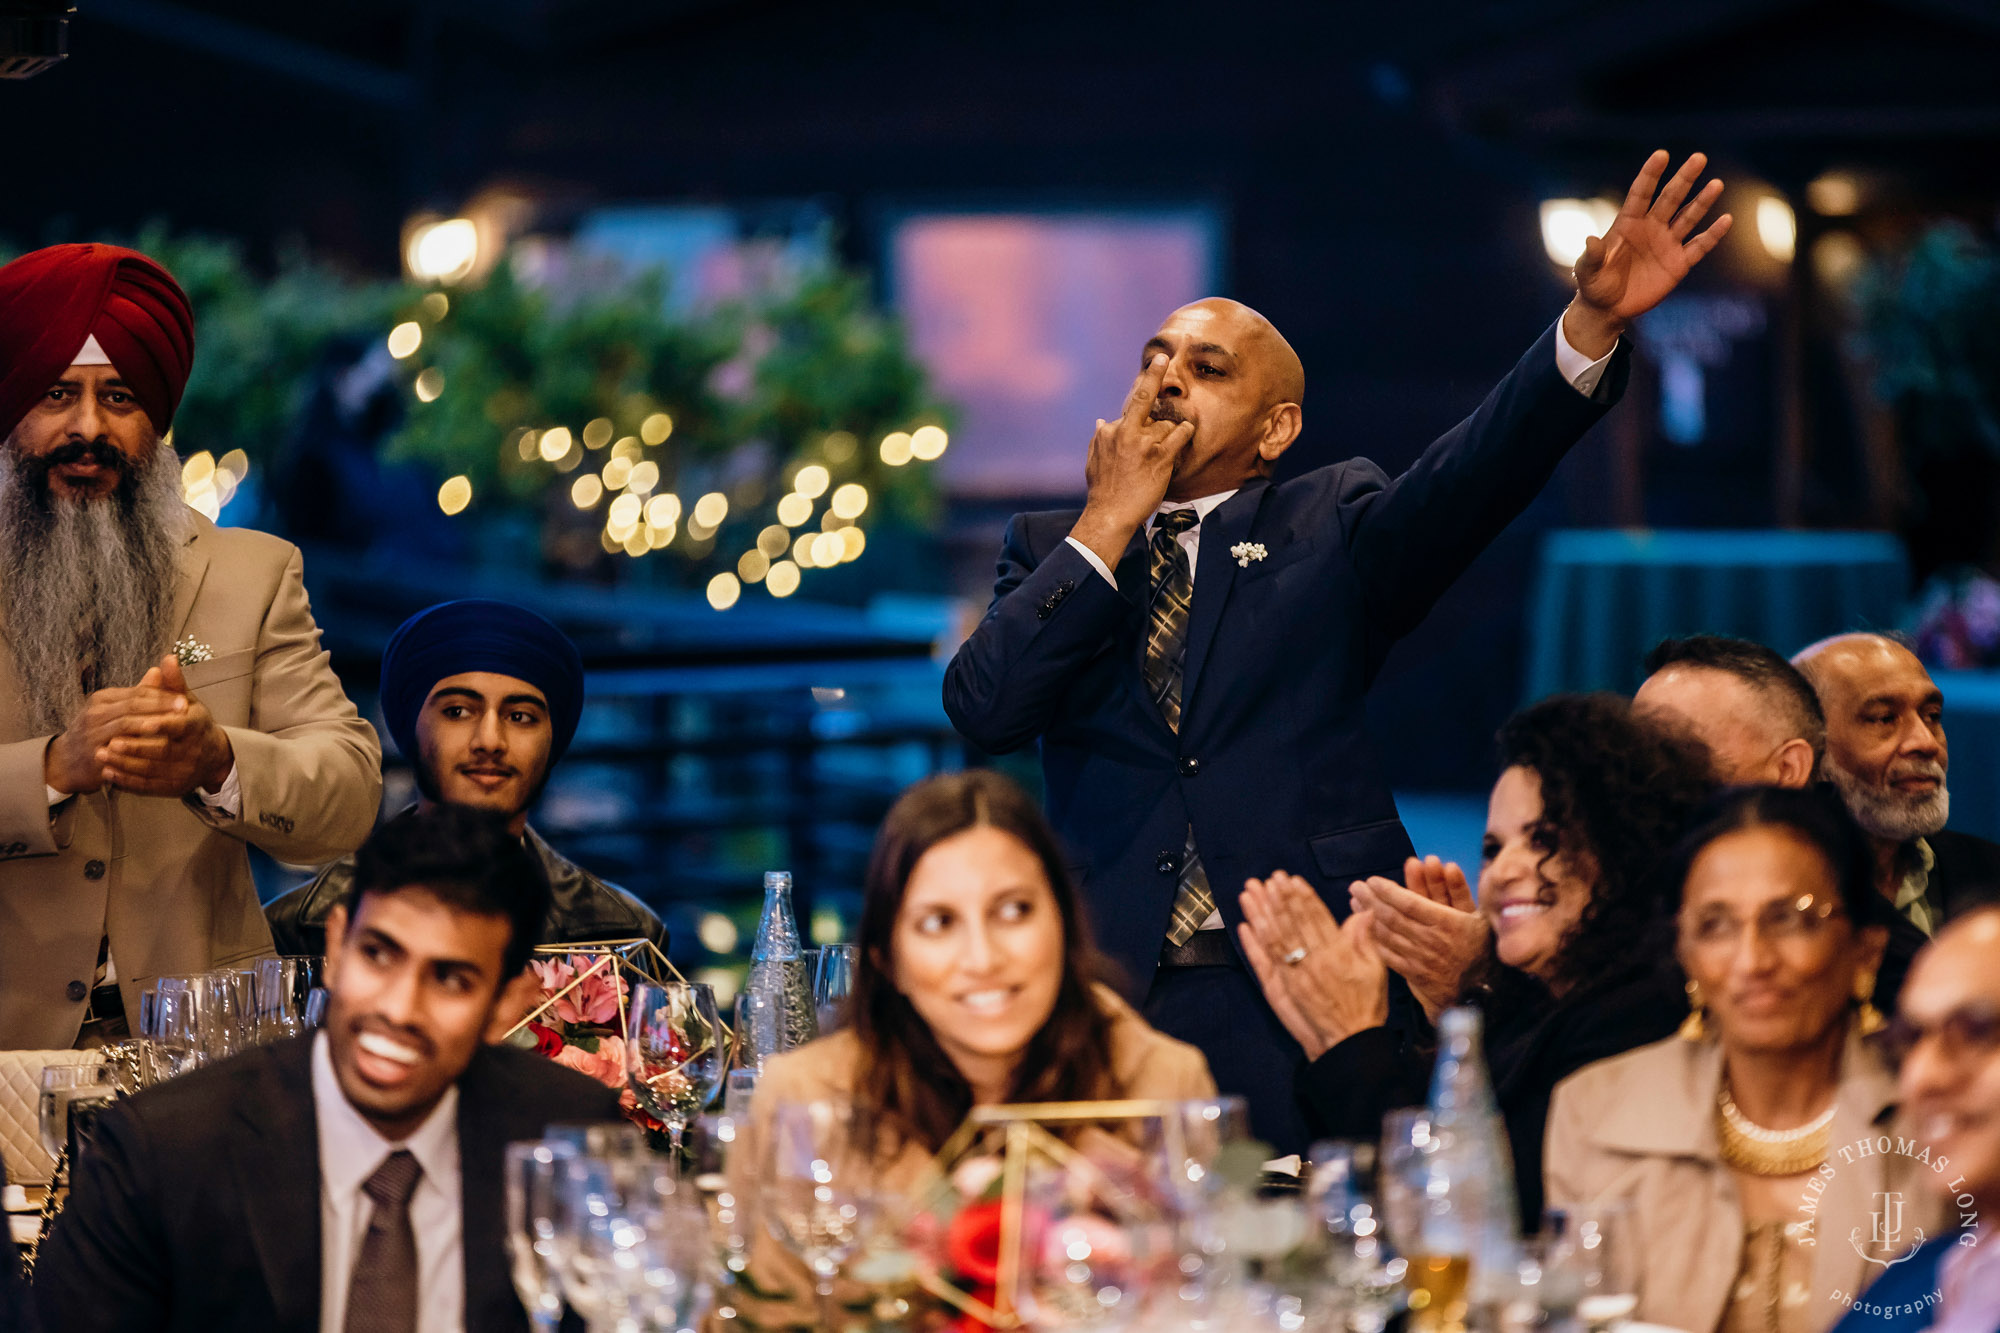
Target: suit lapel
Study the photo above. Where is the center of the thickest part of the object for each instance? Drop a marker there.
(277, 1169)
(1214, 576)
(193, 563)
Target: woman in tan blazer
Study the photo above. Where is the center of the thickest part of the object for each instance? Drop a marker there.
(1756, 1148)
(977, 985)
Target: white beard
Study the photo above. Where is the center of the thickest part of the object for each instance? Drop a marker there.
(1886, 814)
(89, 585)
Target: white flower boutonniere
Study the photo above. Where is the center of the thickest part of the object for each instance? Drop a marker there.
(187, 652)
(1245, 552)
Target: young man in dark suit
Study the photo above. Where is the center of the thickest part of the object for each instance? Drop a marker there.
(349, 1179)
(1192, 649)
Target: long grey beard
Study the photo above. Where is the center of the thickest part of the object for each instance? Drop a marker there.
(89, 585)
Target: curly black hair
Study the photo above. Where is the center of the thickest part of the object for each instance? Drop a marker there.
(1618, 790)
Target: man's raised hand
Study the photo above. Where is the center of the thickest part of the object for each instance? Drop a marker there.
(1648, 249)
(1130, 464)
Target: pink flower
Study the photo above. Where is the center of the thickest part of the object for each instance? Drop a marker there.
(596, 1000)
(552, 973)
(606, 1064)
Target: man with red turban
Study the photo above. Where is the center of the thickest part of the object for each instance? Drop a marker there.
(163, 696)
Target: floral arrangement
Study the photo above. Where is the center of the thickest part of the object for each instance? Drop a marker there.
(579, 1021)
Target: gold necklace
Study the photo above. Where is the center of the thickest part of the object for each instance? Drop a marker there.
(1750, 1147)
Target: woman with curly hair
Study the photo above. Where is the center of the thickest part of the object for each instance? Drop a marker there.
(1568, 953)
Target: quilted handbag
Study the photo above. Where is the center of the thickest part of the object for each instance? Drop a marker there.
(28, 1163)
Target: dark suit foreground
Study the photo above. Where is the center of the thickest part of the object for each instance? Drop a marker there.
(199, 1207)
(1300, 589)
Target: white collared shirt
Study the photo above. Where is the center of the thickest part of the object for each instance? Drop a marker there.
(349, 1152)
(1582, 373)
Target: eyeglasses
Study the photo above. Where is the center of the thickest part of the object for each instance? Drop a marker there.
(1785, 922)
(1972, 1030)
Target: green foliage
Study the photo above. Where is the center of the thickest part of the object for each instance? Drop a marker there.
(1931, 324)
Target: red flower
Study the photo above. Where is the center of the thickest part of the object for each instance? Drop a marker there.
(972, 1323)
(547, 1040)
(972, 1243)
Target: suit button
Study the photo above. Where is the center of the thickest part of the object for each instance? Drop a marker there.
(1190, 766)
(76, 991)
(93, 870)
(1167, 862)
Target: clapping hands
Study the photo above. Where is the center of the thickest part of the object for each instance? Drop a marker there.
(1324, 979)
(151, 739)
(1426, 928)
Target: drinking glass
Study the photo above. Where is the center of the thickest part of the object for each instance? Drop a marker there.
(1407, 1143)
(169, 1030)
(283, 987)
(833, 982)
(815, 1200)
(223, 1007)
(741, 1086)
(757, 1029)
(71, 1097)
(726, 1182)
(1594, 1246)
(630, 1242)
(673, 1052)
(534, 1179)
(1085, 1265)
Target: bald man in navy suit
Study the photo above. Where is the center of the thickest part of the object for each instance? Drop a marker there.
(1192, 649)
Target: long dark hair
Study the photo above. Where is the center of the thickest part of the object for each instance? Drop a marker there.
(906, 1086)
(1618, 789)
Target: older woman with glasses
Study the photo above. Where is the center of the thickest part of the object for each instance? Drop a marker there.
(1757, 1148)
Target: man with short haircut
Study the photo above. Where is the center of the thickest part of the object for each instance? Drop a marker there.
(1886, 755)
(1948, 1038)
(349, 1179)
(483, 698)
(164, 698)
(1757, 715)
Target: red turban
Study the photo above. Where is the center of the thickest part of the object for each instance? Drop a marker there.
(51, 301)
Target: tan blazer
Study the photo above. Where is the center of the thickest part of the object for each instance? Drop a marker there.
(1145, 1064)
(1641, 1126)
(168, 880)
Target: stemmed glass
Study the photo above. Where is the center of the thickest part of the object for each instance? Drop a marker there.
(833, 982)
(71, 1095)
(535, 1171)
(283, 987)
(815, 1202)
(1593, 1247)
(169, 1030)
(673, 1052)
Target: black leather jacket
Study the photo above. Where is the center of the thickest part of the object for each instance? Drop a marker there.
(583, 908)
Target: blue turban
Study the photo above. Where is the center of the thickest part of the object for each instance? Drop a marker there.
(452, 638)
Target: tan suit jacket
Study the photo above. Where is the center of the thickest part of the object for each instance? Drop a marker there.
(1145, 1064)
(169, 880)
(1641, 1126)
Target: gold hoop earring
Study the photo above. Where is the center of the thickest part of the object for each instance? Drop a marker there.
(1868, 1018)
(1692, 1027)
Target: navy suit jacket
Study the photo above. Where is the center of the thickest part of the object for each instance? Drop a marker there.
(1271, 767)
(1904, 1298)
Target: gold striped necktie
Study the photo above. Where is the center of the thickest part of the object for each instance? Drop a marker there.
(1171, 585)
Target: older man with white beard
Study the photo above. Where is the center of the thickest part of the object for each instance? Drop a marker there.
(1886, 755)
(163, 696)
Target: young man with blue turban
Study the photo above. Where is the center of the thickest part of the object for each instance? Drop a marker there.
(483, 698)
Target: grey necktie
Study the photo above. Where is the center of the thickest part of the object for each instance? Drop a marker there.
(382, 1293)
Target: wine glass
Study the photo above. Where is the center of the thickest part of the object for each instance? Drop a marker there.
(534, 1179)
(71, 1096)
(283, 985)
(673, 1052)
(630, 1242)
(833, 982)
(1084, 1264)
(816, 1201)
(169, 1029)
(1594, 1247)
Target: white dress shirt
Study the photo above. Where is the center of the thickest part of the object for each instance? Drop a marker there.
(349, 1152)
(1582, 373)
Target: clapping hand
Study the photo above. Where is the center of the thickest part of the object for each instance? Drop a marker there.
(1324, 979)
(180, 750)
(1430, 931)
(1648, 249)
